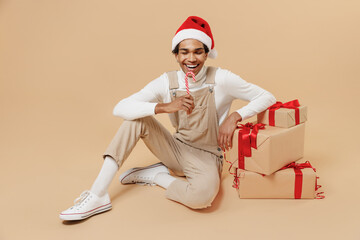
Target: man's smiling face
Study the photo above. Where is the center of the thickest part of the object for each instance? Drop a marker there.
(191, 55)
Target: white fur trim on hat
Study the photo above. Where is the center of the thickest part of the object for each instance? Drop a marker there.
(213, 53)
(194, 34)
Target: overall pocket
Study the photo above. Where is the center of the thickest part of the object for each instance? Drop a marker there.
(197, 121)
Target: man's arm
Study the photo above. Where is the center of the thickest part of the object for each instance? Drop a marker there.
(227, 129)
(237, 88)
(143, 103)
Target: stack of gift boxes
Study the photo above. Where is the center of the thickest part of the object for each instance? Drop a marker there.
(267, 155)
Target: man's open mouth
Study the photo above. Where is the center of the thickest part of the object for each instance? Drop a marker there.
(191, 67)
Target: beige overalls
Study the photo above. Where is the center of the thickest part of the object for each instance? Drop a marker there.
(191, 152)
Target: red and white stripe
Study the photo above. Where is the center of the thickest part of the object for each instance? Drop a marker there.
(187, 82)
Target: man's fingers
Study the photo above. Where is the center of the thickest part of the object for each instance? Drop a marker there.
(222, 140)
(187, 107)
(189, 101)
(225, 141)
(228, 143)
(223, 146)
(186, 101)
(188, 96)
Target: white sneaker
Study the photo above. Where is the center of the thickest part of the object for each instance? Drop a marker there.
(86, 205)
(143, 175)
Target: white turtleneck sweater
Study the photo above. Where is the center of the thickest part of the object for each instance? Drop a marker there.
(228, 87)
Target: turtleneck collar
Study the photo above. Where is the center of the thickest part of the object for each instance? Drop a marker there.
(200, 77)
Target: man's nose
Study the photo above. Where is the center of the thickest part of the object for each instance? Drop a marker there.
(192, 57)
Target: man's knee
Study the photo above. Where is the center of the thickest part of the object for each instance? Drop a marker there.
(202, 195)
(137, 121)
(141, 123)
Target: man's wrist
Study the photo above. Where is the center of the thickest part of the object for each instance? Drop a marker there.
(236, 117)
(160, 108)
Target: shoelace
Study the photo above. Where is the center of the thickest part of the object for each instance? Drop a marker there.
(141, 178)
(82, 197)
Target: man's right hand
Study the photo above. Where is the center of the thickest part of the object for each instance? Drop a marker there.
(185, 103)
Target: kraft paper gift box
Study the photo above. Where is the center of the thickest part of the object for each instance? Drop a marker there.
(284, 115)
(272, 149)
(298, 180)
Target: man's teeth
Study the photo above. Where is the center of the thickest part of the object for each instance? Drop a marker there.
(192, 66)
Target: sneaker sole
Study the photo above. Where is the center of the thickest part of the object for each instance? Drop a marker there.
(81, 216)
(132, 170)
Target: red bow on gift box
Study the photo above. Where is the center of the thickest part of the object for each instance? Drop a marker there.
(299, 166)
(294, 104)
(299, 177)
(247, 140)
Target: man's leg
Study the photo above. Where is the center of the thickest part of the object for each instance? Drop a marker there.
(203, 174)
(156, 137)
(105, 177)
(160, 142)
(202, 170)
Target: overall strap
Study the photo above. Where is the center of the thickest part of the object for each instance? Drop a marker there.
(210, 75)
(173, 80)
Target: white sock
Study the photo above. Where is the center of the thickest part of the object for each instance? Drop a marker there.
(164, 179)
(106, 175)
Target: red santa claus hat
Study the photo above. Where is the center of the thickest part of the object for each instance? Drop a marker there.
(195, 28)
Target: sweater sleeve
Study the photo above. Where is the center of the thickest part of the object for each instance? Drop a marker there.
(142, 103)
(258, 98)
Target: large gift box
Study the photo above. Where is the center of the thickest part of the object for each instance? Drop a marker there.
(266, 149)
(296, 180)
(284, 115)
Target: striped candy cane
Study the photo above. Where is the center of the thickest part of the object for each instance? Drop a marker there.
(187, 82)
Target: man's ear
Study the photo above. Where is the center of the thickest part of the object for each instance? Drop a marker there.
(176, 57)
(206, 56)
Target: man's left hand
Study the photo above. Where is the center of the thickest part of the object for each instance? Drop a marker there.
(226, 131)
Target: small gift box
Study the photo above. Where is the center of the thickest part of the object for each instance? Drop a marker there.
(296, 180)
(284, 115)
(264, 149)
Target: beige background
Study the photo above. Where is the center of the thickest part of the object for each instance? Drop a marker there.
(65, 64)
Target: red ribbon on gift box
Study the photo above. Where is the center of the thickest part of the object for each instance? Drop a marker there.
(299, 176)
(294, 104)
(247, 140)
